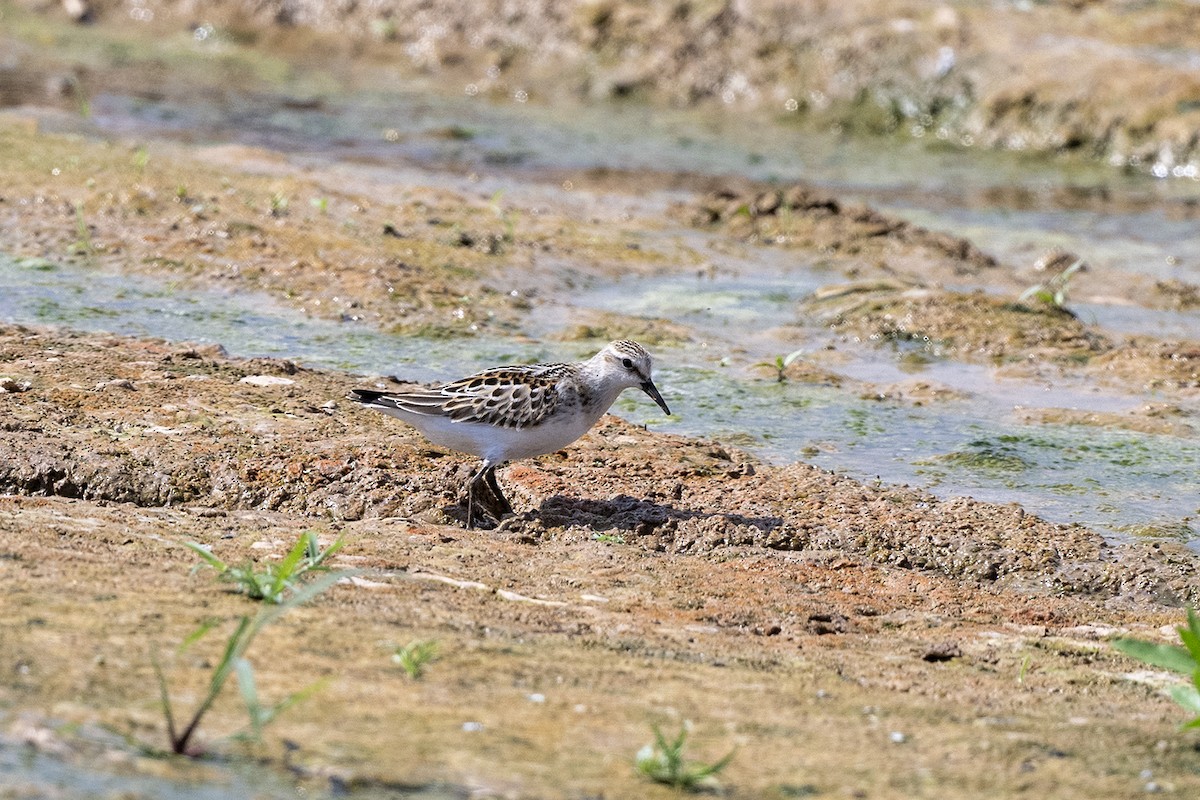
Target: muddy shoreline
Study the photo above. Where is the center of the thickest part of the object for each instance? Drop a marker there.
(1018, 77)
(849, 637)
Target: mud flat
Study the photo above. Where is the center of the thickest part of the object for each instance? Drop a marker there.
(647, 578)
(849, 637)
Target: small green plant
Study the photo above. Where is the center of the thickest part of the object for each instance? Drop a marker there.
(279, 204)
(1054, 291)
(415, 656)
(608, 538)
(141, 157)
(1025, 662)
(321, 204)
(663, 762)
(781, 363)
(83, 237)
(1185, 660)
(234, 662)
(270, 582)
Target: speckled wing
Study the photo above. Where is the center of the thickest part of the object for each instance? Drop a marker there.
(507, 397)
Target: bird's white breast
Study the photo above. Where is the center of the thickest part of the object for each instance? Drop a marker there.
(498, 444)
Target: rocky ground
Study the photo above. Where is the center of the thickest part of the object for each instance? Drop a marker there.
(848, 639)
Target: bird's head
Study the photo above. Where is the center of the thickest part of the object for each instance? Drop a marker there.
(629, 365)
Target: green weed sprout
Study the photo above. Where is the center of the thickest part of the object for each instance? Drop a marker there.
(414, 656)
(663, 762)
(1185, 660)
(270, 582)
(141, 157)
(234, 662)
(781, 363)
(1054, 291)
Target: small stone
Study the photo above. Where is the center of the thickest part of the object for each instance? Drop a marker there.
(119, 383)
(266, 380)
(10, 386)
(942, 651)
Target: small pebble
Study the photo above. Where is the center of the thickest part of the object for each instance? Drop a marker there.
(472, 727)
(897, 737)
(119, 383)
(266, 380)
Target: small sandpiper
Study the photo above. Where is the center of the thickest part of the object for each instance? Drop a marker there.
(506, 413)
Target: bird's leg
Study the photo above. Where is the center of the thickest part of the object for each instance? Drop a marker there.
(472, 486)
(484, 494)
(504, 506)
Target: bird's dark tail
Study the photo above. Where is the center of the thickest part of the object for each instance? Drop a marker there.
(366, 396)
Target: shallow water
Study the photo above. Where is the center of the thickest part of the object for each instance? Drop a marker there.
(745, 313)
(1117, 482)
(89, 763)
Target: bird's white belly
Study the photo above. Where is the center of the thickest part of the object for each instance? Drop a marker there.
(497, 444)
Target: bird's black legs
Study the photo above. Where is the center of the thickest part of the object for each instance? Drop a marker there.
(472, 488)
(484, 493)
(504, 506)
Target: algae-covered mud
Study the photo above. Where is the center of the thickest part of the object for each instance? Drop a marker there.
(934, 441)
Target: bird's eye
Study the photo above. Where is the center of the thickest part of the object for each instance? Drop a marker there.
(627, 363)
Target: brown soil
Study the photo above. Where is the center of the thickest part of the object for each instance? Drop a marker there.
(646, 579)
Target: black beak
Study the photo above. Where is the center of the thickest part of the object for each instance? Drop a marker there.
(649, 388)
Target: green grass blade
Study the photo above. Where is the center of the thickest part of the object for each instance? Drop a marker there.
(234, 647)
(1188, 697)
(165, 698)
(207, 555)
(245, 679)
(659, 740)
(312, 547)
(1191, 635)
(268, 714)
(304, 594)
(314, 588)
(676, 749)
(706, 771)
(290, 566)
(330, 551)
(196, 635)
(1167, 656)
